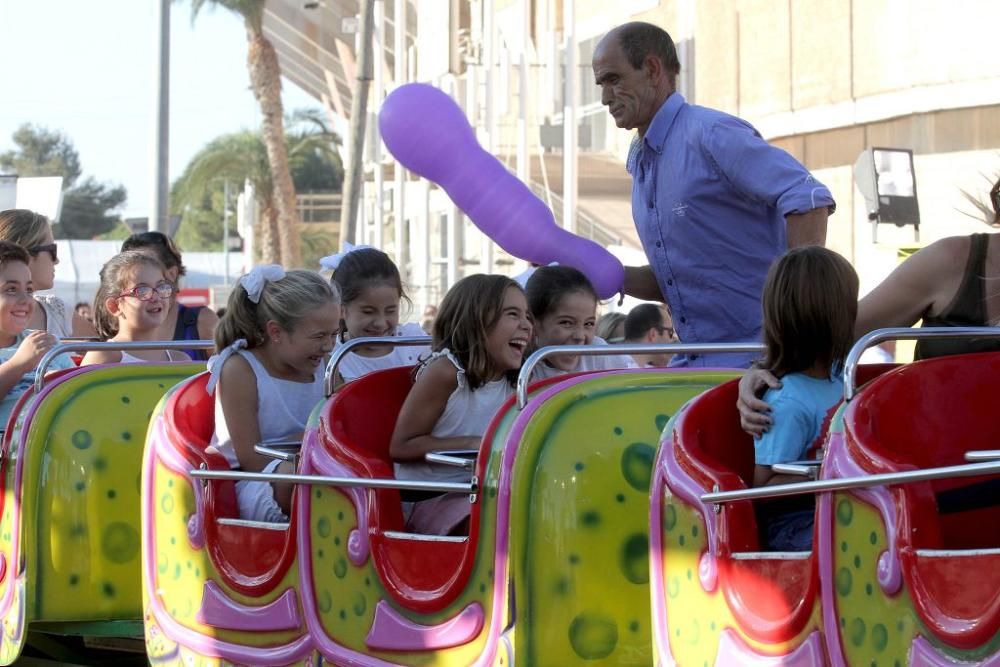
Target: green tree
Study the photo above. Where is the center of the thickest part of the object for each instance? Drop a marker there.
(88, 205)
(265, 79)
(198, 194)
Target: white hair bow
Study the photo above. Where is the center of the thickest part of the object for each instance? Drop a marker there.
(331, 262)
(260, 276)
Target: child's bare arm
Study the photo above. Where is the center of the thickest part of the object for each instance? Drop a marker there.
(423, 407)
(238, 394)
(26, 358)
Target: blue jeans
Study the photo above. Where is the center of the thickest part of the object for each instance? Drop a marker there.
(791, 531)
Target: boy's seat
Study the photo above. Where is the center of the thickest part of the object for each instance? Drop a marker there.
(252, 559)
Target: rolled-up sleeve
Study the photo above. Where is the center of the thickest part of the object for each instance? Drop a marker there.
(761, 171)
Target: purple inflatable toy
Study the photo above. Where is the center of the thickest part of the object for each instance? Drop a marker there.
(428, 133)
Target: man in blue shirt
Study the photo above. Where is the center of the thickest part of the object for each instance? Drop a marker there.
(714, 204)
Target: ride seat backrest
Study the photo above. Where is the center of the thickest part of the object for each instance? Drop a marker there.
(928, 414)
(192, 416)
(717, 433)
(363, 416)
(194, 412)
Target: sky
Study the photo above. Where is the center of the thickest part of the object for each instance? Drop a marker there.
(86, 68)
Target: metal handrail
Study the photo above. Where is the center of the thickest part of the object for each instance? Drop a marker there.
(65, 348)
(528, 367)
(978, 455)
(343, 482)
(346, 348)
(454, 461)
(903, 333)
(860, 482)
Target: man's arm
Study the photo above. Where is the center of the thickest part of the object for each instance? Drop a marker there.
(807, 228)
(640, 282)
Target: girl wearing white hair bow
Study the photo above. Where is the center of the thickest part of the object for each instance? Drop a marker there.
(267, 374)
(371, 291)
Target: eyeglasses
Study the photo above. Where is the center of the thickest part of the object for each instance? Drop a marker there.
(50, 248)
(146, 293)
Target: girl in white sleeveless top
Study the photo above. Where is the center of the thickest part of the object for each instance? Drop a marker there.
(267, 376)
(564, 307)
(480, 336)
(371, 291)
(130, 306)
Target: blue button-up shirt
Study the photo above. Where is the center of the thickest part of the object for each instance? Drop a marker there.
(709, 199)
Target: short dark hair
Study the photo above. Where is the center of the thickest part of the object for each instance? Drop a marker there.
(810, 303)
(639, 39)
(641, 319)
(161, 244)
(11, 252)
(363, 267)
(549, 284)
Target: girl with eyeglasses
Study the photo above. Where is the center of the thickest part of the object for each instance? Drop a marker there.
(131, 305)
(33, 232)
(181, 322)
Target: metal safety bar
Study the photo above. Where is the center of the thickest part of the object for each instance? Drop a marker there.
(343, 482)
(861, 482)
(348, 347)
(443, 458)
(795, 469)
(528, 367)
(65, 348)
(282, 451)
(979, 455)
(903, 333)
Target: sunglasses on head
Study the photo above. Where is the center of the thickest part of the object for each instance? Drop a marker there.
(163, 290)
(50, 248)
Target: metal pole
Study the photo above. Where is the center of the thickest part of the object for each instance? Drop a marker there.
(225, 229)
(489, 38)
(569, 116)
(399, 175)
(359, 111)
(522, 96)
(378, 83)
(161, 115)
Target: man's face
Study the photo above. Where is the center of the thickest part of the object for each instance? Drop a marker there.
(630, 94)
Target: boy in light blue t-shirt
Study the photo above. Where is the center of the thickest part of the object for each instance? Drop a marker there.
(20, 348)
(810, 303)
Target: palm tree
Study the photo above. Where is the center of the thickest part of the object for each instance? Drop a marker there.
(265, 79)
(310, 146)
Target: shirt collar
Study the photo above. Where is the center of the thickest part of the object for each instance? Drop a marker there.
(656, 133)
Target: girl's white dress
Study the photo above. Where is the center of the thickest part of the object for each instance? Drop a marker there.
(468, 412)
(283, 408)
(354, 366)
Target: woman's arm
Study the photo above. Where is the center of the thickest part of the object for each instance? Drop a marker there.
(925, 283)
(420, 413)
(207, 320)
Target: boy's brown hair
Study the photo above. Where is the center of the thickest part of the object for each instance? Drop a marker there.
(11, 252)
(810, 303)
